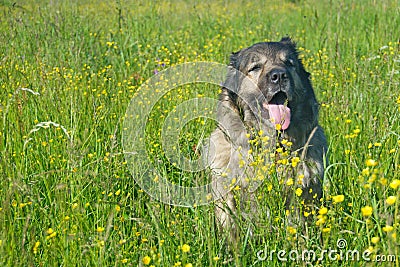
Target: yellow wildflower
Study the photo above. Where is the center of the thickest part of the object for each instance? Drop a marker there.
(395, 183)
(289, 182)
(291, 230)
(146, 260)
(299, 191)
(295, 161)
(375, 239)
(185, 248)
(338, 199)
(371, 163)
(383, 181)
(51, 233)
(366, 211)
(391, 200)
(323, 211)
(269, 187)
(35, 247)
(365, 172)
(320, 221)
(387, 228)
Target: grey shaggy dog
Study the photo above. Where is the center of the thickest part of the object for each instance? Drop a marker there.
(266, 85)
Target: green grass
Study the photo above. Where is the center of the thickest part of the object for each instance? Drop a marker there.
(72, 191)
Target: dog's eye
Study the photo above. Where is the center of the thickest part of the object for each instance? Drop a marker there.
(255, 68)
(290, 62)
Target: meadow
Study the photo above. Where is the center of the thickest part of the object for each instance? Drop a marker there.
(68, 71)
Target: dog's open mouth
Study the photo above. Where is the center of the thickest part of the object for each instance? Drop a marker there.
(279, 112)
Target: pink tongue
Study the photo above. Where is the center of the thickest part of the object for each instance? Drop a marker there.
(279, 114)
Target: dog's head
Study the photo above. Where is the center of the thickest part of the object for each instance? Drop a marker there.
(269, 78)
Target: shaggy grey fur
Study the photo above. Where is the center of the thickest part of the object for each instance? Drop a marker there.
(264, 73)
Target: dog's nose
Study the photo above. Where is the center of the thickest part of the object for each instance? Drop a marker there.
(277, 76)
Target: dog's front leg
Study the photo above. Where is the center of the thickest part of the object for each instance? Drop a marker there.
(311, 169)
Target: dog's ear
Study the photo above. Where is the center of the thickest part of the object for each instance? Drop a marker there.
(288, 41)
(234, 59)
(233, 76)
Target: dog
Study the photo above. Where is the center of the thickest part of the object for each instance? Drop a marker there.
(267, 90)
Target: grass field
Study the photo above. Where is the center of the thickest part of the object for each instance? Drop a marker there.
(68, 70)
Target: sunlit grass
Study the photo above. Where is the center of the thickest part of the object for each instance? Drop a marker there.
(68, 71)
